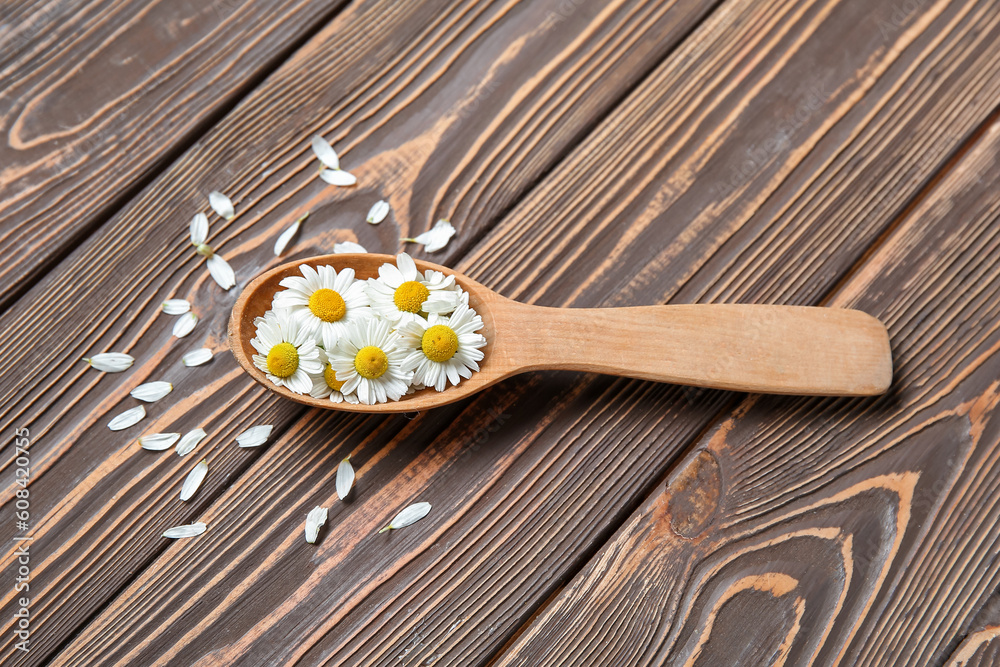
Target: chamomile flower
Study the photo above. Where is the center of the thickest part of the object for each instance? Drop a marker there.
(326, 384)
(218, 267)
(324, 152)
(401, 293)
(288, 353)
(333, 174)
(367, 359)
(443, 348)
(221, 204)
(436, 238)
(323, 302)
(348, 246)
(378, 212)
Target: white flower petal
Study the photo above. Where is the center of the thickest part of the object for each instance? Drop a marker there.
(199, 229)
(287, 236)
(345, 478)
(378, 212)
(176, 306)
(348, 246)
(314, 521)
(436, 238)
(194, 480)
(185, 324)
(221, 204)
(157, 442)
(189, 530)
(127, 418)
(338, 177)
(197, 357)
(409, 515)
(190, 441)
(221, 271)
(151, 391)
(254, 436)
(324, 151)
(110, 362)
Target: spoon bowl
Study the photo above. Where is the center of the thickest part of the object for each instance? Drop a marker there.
(755, 348)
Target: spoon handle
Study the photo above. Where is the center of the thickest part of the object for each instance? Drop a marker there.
(754, 348)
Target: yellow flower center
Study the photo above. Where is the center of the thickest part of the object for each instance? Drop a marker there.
(371, 362)
(283, 360)
(331, 379)
(327, 305)
(440, 343)
(410, 296)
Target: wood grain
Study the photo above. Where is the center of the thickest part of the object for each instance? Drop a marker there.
(980, 645)
(440, 108)
(837, 532)
(980, 649)
(96, 96)
(556, 462)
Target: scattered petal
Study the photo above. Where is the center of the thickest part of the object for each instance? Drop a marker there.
(199, 229)
(324, 151)
(151, 391)
(221, 271)
(338, 177)
(436, 238)
(409, 515)
(190, 441)
(197, 357)
(254, 436)
(348, 246)
(287, 236)
(194, 480)
(185, 324)
(314, 521)
(157, 442)
(345, 478)
(176, 306)
(189, 530)
(127, 418)
(378, 212)
(222, 205)
(110, 362)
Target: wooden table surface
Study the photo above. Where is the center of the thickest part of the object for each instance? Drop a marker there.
(628, 152)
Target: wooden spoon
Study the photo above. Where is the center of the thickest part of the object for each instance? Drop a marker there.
(767, 349)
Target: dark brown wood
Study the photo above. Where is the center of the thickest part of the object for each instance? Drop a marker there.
(527, 480)
(829, 531)
(981, 645)
(980, 649)
(95, 96)
(444, 109)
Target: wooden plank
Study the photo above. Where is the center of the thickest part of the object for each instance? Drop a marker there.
(96, 96)
(981, 645)
(828, 531)
(980, 649)
(530, 477)
(440, 108)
